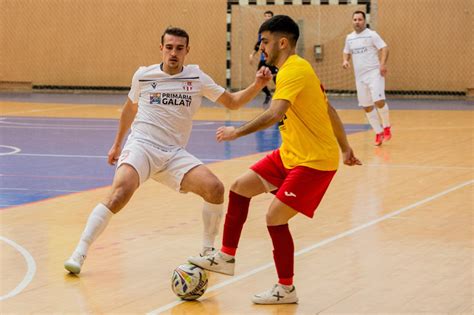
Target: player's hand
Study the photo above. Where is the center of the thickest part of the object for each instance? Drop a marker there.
(263, 76)
(349, 158)
(346, 64)
(114, 154)
(225, 134)
(383, 70)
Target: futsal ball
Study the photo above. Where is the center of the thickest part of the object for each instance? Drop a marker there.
(189, 281)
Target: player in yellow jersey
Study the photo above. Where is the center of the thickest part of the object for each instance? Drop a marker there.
(298, 173)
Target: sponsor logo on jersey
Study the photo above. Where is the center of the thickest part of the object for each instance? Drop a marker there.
(362, 50)
(187, 85)
(176, 99)
(155, 98)
(124, 155)
(289, 194)
(281, 123)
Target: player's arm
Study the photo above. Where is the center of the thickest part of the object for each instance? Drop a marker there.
(346, 56)
(129, 111)
(256, 48)
(340, 133)
(238, 99)
(383, 53)
(275, 113)
(345, 60)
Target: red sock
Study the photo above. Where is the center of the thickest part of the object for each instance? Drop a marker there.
(235, 218)
(283, 252)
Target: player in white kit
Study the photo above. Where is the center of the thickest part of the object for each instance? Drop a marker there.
(364, 45)
(162, 100)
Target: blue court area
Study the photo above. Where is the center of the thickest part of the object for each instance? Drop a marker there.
(47, 157)
(339, 102)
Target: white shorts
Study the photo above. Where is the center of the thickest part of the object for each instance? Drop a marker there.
(164, 165)
(370, 88)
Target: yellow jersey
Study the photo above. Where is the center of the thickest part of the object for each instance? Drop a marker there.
(306, 131)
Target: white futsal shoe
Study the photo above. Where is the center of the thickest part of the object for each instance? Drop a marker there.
(217, 262)
(279, 294)
(74, 263)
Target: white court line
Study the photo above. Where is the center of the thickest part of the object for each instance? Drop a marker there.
(31, 269)
(63, 155)
(434, 128)
(58, 127)
(320, 244)
(421, 166)
(243, 159)
(29, 189)
(205, 123)
(48, 109)
(57, 118)
(14, 150)
(24, 124)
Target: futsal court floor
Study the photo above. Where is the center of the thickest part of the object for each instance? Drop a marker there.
(392, 236)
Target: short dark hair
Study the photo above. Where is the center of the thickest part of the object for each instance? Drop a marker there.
(176, 31)
(282, 24)
(268, 12)
(359, 12)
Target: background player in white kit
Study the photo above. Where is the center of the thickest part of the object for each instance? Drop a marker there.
(161, 103)
(370, 69)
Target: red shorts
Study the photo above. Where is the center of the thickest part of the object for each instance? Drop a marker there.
(301, 188)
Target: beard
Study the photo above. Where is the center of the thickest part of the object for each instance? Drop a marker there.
(272, 58)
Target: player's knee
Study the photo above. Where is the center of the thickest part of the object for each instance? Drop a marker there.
(271, 219)
(368, 109)
(118, 198)
(214, 192)
(380, 103)
(237, 186)
(276, 218)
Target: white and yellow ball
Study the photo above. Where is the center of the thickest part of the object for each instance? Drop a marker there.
(189, 282)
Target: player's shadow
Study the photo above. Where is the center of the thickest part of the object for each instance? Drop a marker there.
(196, 307)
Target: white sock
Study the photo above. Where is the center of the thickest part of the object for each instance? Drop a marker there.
(373, 119)
(384, 115)
(211, 216)
(96, 223)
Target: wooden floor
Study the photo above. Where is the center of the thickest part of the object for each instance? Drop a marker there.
(393, 236)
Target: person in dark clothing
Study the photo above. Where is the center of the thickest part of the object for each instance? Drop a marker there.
(261, 62)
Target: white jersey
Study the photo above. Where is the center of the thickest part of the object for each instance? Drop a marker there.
(364, 49)
(167, 103)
